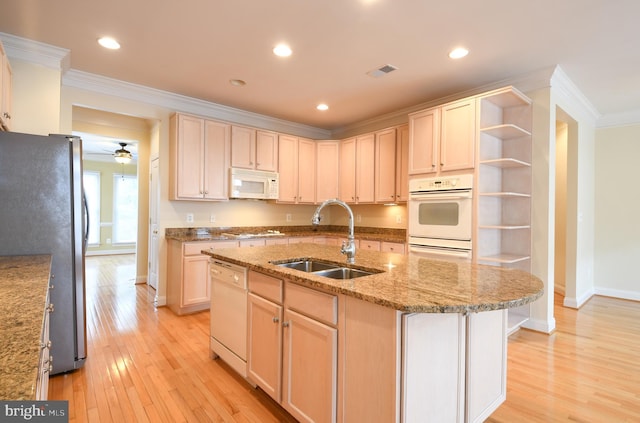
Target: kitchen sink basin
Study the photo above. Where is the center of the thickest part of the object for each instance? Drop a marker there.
(343, 273)
(308, 265)
(325, 269)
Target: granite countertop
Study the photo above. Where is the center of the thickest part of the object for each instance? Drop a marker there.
(408, 283)
(218, 234)
(24, 283)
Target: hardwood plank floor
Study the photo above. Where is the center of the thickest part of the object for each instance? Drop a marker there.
(146, 364)
(149, 365)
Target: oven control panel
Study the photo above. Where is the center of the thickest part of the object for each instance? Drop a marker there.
(441, 184)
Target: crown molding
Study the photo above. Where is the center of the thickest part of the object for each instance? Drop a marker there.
(139, 93)
(36, 52)
(564, 87)
(631, 117)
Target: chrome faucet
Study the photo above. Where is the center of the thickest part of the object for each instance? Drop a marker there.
(349, 246)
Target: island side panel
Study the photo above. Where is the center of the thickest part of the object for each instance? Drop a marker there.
(370, 388)
(433, 367)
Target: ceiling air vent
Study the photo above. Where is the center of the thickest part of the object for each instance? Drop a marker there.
(381, 71)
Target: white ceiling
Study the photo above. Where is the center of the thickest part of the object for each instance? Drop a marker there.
(194, 47)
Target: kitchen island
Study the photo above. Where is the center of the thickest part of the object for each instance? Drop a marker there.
(420, 340)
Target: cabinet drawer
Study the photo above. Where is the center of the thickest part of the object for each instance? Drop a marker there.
(315, 304)
(392, 247)
(194, 248)
(370, 245)
(265, 286)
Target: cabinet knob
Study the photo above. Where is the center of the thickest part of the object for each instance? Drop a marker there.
(50, 308)
(275, 320)
(285, 324)
(7, 115)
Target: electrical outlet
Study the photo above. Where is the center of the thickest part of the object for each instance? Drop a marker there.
(398, 219)
(189, 217)
(358, 218)
(288, 217)
(212, 218)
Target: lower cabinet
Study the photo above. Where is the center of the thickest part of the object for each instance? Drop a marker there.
(293, 346)
(45, 363)
(188, 287)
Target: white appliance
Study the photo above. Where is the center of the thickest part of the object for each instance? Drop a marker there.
(229, 314)
(441, 216)
(254, 184)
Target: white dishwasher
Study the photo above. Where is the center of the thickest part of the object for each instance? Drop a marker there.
(229, 314)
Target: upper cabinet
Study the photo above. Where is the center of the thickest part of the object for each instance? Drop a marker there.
(254, 149)
(357, 171)
(199, 154)
(6, 81)
(391, 165)
(327, 170)
(297, 168)
(442, 139)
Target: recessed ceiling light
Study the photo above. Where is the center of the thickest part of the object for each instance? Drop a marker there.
(282, 50)
(237, 82)
(458, 53)
(108, 42)
(322, 107)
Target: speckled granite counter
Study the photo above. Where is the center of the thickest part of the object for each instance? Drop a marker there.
(217, 234)
(24, 281)
(408, 283)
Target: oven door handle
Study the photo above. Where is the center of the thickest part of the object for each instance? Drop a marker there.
(442, 196)
(441, 252)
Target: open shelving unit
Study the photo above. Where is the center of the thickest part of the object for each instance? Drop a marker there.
(503, 236)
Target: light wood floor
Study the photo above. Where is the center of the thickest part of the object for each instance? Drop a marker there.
(146, 364)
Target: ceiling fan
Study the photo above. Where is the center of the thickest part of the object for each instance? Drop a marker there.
(122, 155)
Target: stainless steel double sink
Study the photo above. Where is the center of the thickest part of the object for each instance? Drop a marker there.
(324, 268)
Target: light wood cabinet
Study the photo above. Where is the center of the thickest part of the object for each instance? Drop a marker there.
(402, 164)
(442, 139)
(327, 170)
(310, 354)
(293, 349)
(188, 287)
(254, 149)
(45, 360)
(357, 170)
(6, 90)
(265, 344)
(297, 168)
(369, 245)
(392, 247)
(385, 166)
(199, 154)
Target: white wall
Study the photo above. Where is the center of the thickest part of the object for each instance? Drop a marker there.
(617, 211)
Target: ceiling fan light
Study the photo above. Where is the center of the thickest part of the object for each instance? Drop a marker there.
(122, 155)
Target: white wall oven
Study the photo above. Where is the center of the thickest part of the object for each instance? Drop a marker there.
(441, 216)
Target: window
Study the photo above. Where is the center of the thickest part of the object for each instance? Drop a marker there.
(125, 209)
(91, 184)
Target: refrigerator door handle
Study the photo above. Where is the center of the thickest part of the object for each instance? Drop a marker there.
(86, 221)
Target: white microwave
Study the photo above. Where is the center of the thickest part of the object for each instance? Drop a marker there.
(256, 184)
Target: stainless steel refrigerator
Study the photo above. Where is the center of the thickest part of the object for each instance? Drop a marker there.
(42, 211)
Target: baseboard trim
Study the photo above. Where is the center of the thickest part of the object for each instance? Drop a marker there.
(618, 293)
(544, 326)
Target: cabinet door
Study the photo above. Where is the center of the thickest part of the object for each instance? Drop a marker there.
(458, 134)
(216, 162)
(385, 166)
(327, 170)
(6, 83)
(310, 368)
(306, 171)
(369, 245)
(365, 168)
(424, 135)
(243, 141)
(265, 345)
(267, 151)
(348, 170)
(288, 168)
(195, 280)
(402, 164)
(189, 152)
